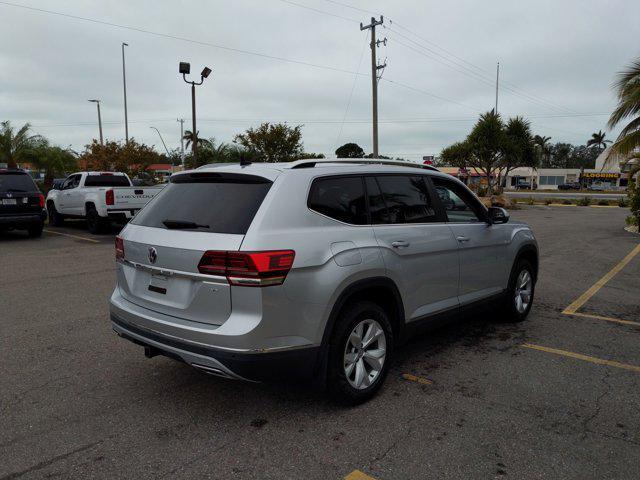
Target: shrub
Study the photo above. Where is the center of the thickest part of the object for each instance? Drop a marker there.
(548, 201)
(603, 202)
(530, 201)
(584, 201)
(566, 201)
(631, 220)
(622, 202)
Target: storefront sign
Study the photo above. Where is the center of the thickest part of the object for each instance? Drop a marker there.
(601, 175)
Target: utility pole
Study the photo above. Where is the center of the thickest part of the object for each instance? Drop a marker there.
(97, 102)
(374, 76)
(124, 83)
(181, 120)
(497, 83)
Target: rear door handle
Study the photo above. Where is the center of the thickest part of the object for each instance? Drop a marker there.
(462, 239)
(400, 244)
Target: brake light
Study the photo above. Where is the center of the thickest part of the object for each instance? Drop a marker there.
(119, 248)
(109, 197)
(251, 269)
(41, 200)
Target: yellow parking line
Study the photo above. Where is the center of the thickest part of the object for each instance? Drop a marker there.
(586, 358)
(582, 299)
(73, 236)
(413, 378)
(562, 205)
(607, 319)
(358, 475)
(604, 206)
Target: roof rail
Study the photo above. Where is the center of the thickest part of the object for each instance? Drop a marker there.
(362, 161)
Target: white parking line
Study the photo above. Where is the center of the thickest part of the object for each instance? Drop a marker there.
(73, 236)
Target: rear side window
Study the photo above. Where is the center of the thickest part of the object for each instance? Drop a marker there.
(16, 182)
(340, 198)
(212, 202)
(106, 181)
(407, 199)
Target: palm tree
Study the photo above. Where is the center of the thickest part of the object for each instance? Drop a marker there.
(17, 146)
(627, 88)
(54, 161)
(544, 148)
(190, 138)
(597, 140)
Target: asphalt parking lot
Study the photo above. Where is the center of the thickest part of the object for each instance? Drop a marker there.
(553, 397)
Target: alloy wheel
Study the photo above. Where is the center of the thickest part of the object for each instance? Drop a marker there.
(523, 291)
(364, 354)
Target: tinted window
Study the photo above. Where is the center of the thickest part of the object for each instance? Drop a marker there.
(457, 202)
(16, 182)
(377, 207)
(341, 198)
(220, 203)
(407, 199)
(106, 181)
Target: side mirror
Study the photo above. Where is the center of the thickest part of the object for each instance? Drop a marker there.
(498, 215)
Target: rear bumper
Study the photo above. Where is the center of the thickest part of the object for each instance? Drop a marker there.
(122, 215)
(27, 218)
(296, 364)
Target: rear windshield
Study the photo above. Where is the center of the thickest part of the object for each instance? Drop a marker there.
(16, 182)
(106, 181)
(216, 202)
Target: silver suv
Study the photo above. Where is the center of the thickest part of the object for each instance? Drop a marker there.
(312, 269)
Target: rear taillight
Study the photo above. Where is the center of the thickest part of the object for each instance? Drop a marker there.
(251, 269)
(41, 200)
(119, 248)
(109, 197)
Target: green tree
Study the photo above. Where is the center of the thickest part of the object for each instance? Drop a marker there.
(543, 150)
(131, 158)
(350, 150)
(487, 145)
(598, 141)
(519, 149)
(627, 88)
(16, 146)
(189, 137)
(456, 155)
(273, 142)
(54, 161)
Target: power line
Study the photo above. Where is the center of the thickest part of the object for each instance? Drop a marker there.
(222, 47)
(353, 8)
(353, 87)
(319, 11)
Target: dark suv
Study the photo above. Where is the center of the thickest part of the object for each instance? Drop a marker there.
(21, 203)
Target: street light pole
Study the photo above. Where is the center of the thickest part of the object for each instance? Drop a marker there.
(185, 69)
(97, 102)
(124, 83)
(162, 140)
(181, 120)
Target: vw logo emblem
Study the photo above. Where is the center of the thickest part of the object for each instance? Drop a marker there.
(153, 255)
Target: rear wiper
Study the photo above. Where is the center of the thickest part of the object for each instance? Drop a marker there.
(182, 224)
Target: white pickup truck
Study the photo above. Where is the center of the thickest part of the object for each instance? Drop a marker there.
(98, 197)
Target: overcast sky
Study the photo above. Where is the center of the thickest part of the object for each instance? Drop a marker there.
(557, 60)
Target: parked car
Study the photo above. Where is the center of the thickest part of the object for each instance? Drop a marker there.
(98, 197)
(523, 185)
(598, 187)
(21, 203)
(570, 186)
(312, 269)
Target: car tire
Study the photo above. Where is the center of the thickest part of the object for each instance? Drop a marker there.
(55, 219)
(520, 293)
(35, 231)
(95, 223)
(354, 382)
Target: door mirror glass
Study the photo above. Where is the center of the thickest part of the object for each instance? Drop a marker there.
(498, 215)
